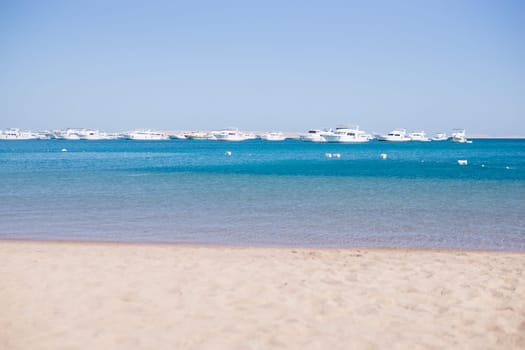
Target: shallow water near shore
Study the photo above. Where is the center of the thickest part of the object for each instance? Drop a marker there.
(266, 193)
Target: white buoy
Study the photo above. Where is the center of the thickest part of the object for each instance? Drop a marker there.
(462, 162)
(63, 150)
(228, 153)
(507, 167)
(482, 165)
(328, 155)
(337, 155)
(383, 156)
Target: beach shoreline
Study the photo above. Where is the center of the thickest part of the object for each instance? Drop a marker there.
(71, 294)
(251, 246)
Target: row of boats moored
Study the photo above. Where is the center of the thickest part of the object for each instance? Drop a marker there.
(345, 134)
(341, 134)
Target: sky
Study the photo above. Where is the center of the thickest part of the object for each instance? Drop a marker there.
(263, 65)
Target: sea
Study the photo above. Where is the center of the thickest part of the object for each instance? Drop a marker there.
(261, 193)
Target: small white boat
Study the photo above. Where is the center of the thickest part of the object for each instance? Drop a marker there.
(347, 134)
(68, 134)
(314, 135)
(179, 136)
(114, 136)
(459, 136)
(250, 136)
(396, 135)
(16, 134)
(44, 135)
(230, 135)
(71, 134)
(197, 135)
(71, 137)
(273, 136)
(146, 135)
(441, 136)
(89, 134)
(419, 136)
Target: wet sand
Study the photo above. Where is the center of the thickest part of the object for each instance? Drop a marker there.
(70, 295)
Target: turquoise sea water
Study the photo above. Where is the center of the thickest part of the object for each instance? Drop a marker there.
(266, 193)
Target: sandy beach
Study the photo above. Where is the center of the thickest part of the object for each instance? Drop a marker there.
(65, 295)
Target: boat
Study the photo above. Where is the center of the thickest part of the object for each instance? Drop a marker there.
(68, 134)
(71, 137)
(178, 136)
(459, 136)
(56, 134)
(197, 135)
(16, 134)
(441, 136)
(419, 136)
(146, 135)
(347, 134)
(273, 136)
(250, 136)
(314, 135)
(396, 135)
(231, 134)
(44, 135)
(89, 134)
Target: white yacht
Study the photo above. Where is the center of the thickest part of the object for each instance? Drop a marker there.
(396, 135)
(273, 136)
(347, 134)
(88, 134)
(146, 135)
(441, 136)
(71, 137)
(459, 136)
(68, 134)
(250, 136)
(56, 134)
(178, 136)
(230, 135)
(420, 136)
(114, 136)
(16, 134)
(197, 135)
(314, 135)
(44, 135)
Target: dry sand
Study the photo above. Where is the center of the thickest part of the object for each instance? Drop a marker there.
(62, 295)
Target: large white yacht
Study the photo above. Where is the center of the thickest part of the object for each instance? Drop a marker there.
(420, 136)
(146, 135)
(459, 136)
(347, 134)
(273, 136)
(230, 135)
(396, 135)
(16, 134)
(314, 135)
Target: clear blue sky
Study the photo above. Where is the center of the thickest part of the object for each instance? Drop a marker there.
(263, 65)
